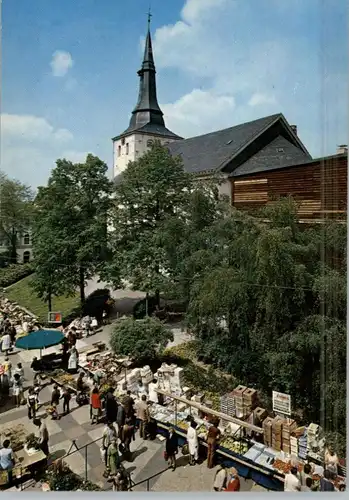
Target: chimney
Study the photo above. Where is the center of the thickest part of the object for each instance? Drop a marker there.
(294, 129)
(342, 149)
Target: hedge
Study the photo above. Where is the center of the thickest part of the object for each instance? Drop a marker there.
(13, 273)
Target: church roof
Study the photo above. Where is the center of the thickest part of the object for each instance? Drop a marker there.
(147, 116)
(213, 151)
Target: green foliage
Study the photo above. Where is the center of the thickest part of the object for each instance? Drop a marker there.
(153, 191)
(140, 339)
(61, 478)
(70, 227)
(16, 208)
(13, 273)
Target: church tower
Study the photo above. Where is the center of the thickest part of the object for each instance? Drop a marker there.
(147, 121)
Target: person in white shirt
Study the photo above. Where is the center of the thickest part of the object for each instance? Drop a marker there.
(153, 395)
(292, 483)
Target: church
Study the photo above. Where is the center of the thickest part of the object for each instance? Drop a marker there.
(258, 161)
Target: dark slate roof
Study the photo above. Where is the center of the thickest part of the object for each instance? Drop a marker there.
(271, 157)
(208, 152)
(150, 128)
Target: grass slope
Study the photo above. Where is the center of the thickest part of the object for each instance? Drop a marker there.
(24, 295)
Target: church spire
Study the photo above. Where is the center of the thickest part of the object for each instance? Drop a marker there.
(147, 110)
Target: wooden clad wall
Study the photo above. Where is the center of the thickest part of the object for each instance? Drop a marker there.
(319, 187)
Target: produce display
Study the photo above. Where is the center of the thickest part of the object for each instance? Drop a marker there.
(233, 445)
(16, 435)
(65, 379)
(32, 442)
(285, 467)
(183, 425)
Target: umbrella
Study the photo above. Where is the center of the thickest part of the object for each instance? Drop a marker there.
(40, 339)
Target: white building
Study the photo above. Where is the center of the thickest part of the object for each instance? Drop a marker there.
(24, 247)
(146, 123)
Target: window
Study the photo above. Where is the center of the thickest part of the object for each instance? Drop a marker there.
(26, 239)
(127, 148)
(26, 257)
(280, 150)
(123, 141)
(119, 151)
(149, 143)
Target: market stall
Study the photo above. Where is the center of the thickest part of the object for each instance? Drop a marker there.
(28, 457)
(262, 457)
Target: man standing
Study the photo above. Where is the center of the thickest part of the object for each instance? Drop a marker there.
(7, 459)
(212, 438)
(109, 434)
(144, 416)
(43, 436)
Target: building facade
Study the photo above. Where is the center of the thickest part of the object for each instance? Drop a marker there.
(24, 247)
(257, 162)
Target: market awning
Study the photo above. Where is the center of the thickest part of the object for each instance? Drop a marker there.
(40, 339)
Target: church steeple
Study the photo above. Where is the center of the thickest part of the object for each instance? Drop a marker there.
(147, 110)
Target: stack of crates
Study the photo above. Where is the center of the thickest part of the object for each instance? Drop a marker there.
(288, 427)
(250, 400)
(294, 446)
(238, 394)
(260, 414)
(228, 404)
(267, 431)
(276, 436)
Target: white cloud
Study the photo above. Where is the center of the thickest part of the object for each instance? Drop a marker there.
(200, 111)
(249, 62)
(61, 62)
(260, 99)
(30, 146)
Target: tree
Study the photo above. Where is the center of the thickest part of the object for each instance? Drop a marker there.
(153, 190)
(15, 212)
(142, 340)
(70, 227)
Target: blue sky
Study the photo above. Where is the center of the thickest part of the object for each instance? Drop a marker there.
(69, 72)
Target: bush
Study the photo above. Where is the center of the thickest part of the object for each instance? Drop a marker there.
(142, 340)
(140, 308)
(61, 478)
(13, 273)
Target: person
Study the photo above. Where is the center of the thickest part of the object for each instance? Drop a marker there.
(221, 478)
(171, 448)
(6, 343)
(19, 369)
(66, 400)
(128, 403)
(13, 334)
(141, 390)
(87, 324)
(306, 472)
(7, 367)
(17, 389)
(71, 338)
(144, 416)
(7, 459)
(32, 401)
(65, 355)
(308, 484)
(111, 407)
(113, 459)
(96, 405)
(325, 482)
(73, 359)
(121, 480)
(234, 483)
(109, 433)
(55, 397)
(43, 436)
(331, 461)
(341, 487)
(153, 395)
(4, 383)
(37, 368)
(212, 438)
(193, 443)
(80, 385)
(94, 325)
(121, 416)
(126, 434)
(292, 483)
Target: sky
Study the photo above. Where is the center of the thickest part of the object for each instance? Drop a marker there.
(69, 72)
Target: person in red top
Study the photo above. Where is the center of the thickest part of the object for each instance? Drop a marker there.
(234, 483)
(96, 405)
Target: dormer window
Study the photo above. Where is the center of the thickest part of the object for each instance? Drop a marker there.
(123, 141)
(280, 150)
(127, 148)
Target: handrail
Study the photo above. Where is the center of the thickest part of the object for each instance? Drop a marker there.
(147, 480)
